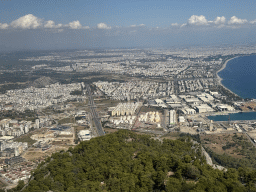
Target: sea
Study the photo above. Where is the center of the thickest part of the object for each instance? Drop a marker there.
(239, 76)
(234, 117)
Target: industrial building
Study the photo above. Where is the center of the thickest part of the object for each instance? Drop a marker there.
(225, 107)
(203, 108)
(181, 119)
(188, 111)
(84, 135)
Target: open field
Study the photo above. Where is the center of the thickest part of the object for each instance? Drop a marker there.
(252, 134)
(26, 137)
(67, 120)
(109, 130)
(248, 106)
(172, 136)
(103, 104)
(78, 104)
(234, 144)
(150, 108)
(36, 153)
(2, 185)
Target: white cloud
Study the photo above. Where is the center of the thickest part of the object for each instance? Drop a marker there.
(253, 22)
(219, 20)
(58, 30)
(72, 25)
(174, 24)
(27, 22)
(197, 20)
(102, 26)
(234, 20)
(32, 22)
(75, 25)
(140, 25)
(4, 25)
(51, 25)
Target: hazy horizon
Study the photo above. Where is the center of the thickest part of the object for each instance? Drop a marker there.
(72, 24)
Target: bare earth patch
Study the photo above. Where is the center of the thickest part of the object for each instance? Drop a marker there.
(218, 143)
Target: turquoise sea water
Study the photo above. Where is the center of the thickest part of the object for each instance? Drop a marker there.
(240, 77)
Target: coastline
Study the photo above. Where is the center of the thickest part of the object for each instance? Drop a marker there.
(219, 79)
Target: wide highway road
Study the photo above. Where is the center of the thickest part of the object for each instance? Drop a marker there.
(95, 117)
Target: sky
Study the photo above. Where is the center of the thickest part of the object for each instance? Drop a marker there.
(78, 24)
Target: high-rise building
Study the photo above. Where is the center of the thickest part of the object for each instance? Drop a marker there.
(172, 117)
(37, 123)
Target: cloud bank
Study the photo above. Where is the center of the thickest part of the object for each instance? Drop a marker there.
(197, 20)
(30, 22)
(236, 21)
(27, 22)
(51, 25)
(103, 26)
(31, 32)
(200, 20)
(219, 20)
(4, 25)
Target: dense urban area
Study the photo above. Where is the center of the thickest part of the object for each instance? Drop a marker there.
(58, 99)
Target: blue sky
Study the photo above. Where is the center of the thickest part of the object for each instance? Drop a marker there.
(45, 24)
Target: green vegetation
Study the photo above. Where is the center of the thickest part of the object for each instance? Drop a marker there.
(76, 92)
(27, 115)
(226, 160)
(242, 146)
(93, 87)
(67, 120)
(2, 185)
(12, 86)
(125, 161)
(237, 151)
(150, 108)
(25, 138)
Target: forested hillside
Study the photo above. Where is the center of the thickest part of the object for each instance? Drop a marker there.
(124, 161)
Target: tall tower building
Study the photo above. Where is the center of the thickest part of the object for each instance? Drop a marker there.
(172, 117)
(16, 151)
(37, 123)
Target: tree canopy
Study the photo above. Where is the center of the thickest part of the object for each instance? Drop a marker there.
(125, 161)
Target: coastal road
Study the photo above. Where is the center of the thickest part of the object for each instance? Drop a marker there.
(94, 114)
(249, 138)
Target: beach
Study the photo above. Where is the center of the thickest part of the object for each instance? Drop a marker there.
(219, 79)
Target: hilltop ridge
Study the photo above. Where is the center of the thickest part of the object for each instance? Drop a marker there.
(125, 161)
(42, 82)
